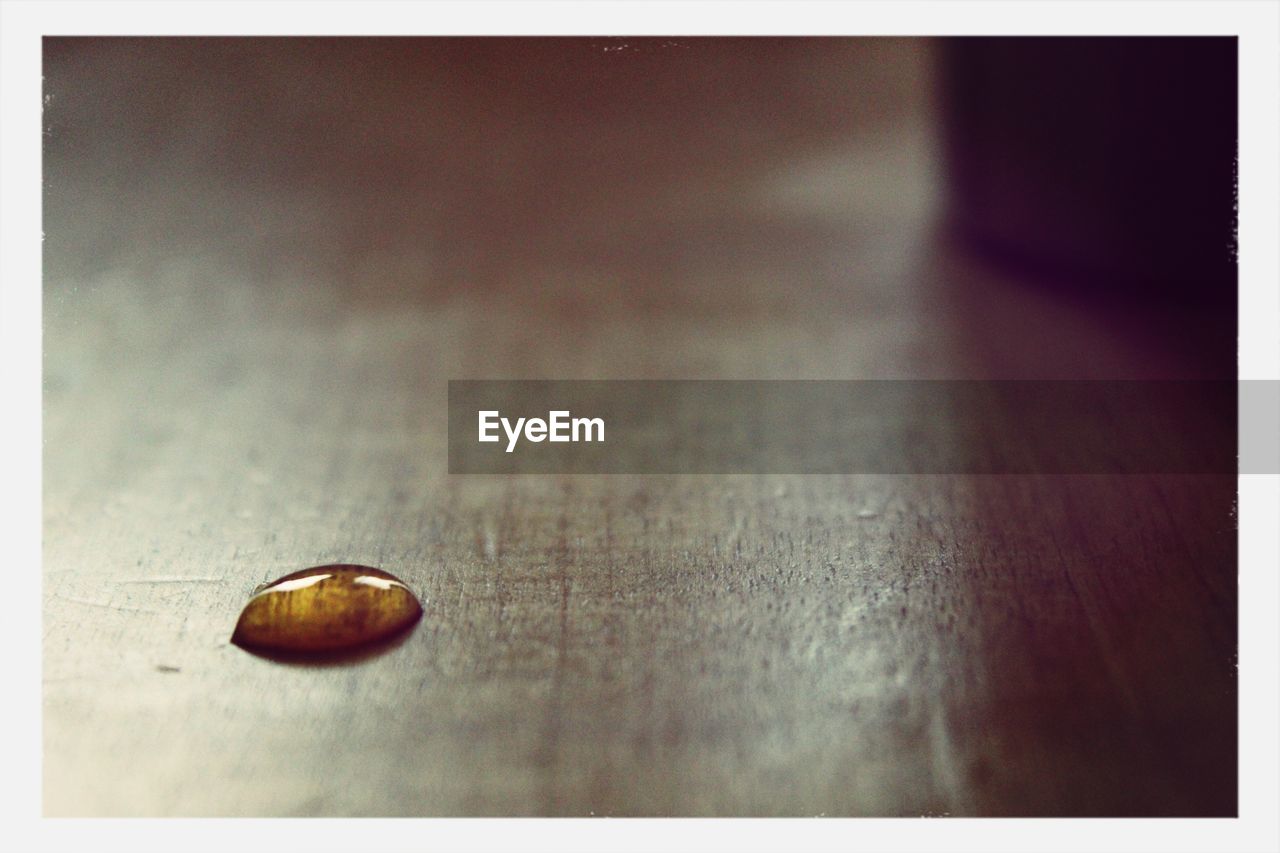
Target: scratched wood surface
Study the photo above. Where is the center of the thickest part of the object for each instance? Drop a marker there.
(265, 260)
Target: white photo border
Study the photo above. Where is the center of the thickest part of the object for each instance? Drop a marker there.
(24, 23)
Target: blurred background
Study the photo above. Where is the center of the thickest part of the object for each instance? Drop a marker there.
(264, 258)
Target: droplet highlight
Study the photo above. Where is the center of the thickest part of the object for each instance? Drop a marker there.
(326, 609)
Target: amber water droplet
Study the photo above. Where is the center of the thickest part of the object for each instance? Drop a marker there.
(326, 609)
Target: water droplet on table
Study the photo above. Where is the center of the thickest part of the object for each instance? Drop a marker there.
(326, 609)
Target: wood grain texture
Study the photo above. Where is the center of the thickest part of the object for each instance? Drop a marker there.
(265, 260)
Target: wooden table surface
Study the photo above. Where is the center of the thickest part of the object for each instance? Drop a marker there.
(265, 260)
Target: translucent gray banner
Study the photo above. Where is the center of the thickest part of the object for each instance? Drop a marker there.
(867, 426)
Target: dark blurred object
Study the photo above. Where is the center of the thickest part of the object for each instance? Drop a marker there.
(1108, 163)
